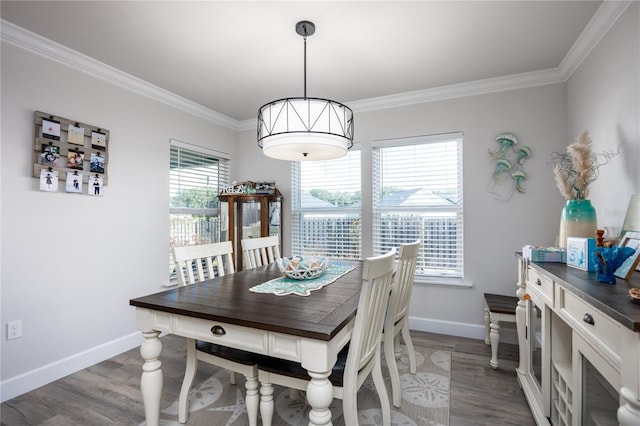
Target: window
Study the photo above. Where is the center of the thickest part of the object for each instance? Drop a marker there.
(417, 194)
(326, 207)
(196, 176)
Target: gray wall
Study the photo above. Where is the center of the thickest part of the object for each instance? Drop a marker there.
(604, 97)
(70, 263)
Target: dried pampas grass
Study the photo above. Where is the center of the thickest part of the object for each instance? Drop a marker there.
(578, 167)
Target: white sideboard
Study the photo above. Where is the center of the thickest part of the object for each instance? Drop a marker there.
(579, 346)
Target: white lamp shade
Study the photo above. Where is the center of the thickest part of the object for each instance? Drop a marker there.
(304, 146)
(292, 127)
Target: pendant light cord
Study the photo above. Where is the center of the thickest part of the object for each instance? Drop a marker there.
(305, 64)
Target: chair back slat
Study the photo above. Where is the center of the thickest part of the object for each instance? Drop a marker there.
(198, 263)
(402, 286)
(260, 251)
(374, 298)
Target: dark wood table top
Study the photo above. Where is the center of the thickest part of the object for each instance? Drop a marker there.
(612, 299)
(321, 315)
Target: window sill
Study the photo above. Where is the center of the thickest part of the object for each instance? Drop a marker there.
(442, 282)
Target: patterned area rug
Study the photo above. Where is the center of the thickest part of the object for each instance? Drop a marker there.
(425, 398)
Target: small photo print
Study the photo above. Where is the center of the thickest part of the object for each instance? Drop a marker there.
(97, 163)
(75, 135)
(48, 180)
(75, 160)
(74, 182)
(51, 129)
(98, 140)
(49, 155)
(94, 187)
(265, 187)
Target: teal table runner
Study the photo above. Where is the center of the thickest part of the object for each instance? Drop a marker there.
(282, 286)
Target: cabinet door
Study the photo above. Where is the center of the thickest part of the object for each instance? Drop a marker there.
(538, 344)
(597, 380)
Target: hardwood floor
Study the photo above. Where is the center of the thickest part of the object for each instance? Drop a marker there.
(108, 393)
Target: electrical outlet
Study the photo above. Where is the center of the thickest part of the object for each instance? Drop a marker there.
(14, 329)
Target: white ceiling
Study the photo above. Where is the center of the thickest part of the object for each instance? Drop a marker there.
(234, 56)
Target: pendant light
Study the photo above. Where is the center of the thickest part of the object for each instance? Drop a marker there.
(305, 129)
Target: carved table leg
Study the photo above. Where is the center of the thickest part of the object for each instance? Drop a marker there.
(629, 412)
(151, 380)
(494, 336)
(486, 326)
(266, 403)
(319, 397)
(252, 399)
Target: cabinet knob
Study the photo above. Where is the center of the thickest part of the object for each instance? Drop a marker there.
(218, 331)
(588, 319)
(538, 282)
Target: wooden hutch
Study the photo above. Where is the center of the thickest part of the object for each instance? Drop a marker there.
(249, 215)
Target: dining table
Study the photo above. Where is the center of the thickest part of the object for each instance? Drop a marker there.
(310, 329)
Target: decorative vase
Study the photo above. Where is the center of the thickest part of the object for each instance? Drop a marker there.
(578, 220)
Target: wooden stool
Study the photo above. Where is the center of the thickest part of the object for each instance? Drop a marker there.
(497, 308)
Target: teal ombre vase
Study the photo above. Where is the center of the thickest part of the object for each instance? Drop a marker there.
(578, 220)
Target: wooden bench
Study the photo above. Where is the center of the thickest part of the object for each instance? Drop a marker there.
(497, 308)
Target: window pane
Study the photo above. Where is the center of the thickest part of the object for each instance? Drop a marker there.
(195, 180)
(326, 207)
(417, 194)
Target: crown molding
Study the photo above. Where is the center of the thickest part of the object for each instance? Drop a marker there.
(605, 17)
(601, 22)
(41, 46)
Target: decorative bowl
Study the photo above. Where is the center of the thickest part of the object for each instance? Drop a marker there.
(303, 268)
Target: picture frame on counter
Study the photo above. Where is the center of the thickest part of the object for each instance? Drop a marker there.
(630, 239)
(579, 252)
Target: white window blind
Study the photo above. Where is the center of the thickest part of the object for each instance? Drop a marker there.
(196, 177)
(326, 207)
(417, 194)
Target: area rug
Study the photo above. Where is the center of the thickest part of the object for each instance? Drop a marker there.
(425, 398)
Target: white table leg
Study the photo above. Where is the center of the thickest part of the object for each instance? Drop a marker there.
(486, 325)
(266, 403)
(319, 397)
(151, 380)
(252, 400)
(494, 336)
(629, 411)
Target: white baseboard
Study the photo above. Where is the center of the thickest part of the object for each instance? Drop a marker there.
(508, 333)
(460, 329)
(41, 376)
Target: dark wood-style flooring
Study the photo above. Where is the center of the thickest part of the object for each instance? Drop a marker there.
(108, 393)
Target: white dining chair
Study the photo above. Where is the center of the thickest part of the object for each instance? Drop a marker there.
(397, 319)
(356, 361)
(195, 264)
(260, 251)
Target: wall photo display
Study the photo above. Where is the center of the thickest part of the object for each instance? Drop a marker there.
(49, 155)
(49, 180)
(74, 182)
(94, 187)
(69, 149)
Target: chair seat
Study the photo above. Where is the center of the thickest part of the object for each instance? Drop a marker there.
(230, 354)
(295, 369)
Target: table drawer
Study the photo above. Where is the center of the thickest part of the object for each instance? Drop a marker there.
(235, 336)
(588, 319)
(541, 285)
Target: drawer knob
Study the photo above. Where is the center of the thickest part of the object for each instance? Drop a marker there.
(538, 281)
(588, 319)
(218, 331)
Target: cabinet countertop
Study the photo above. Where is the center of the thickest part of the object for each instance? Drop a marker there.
(612, 299)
